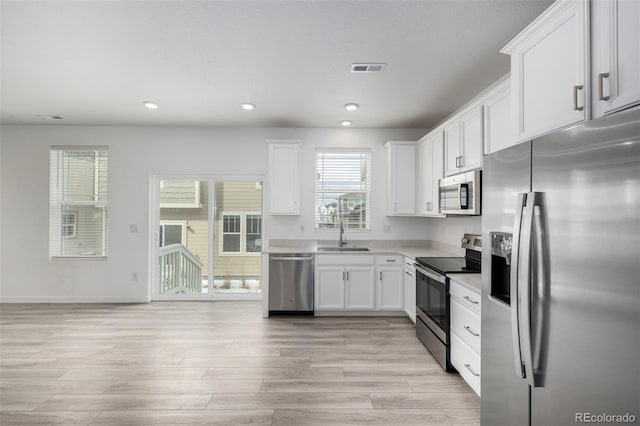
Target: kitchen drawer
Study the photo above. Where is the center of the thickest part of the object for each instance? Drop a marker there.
(466, 361)
(389, 260)
(344, 259)
(466, 297)
(466, 324)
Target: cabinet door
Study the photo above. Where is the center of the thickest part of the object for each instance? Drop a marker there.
(451, 148)
(402, 179)
(616, 55)
(329, 288)
(390, 289)
(284, 178)
(359, 288)
(497, 121)
(425, 184)
(410, 291)
(548, 68)
(437, 162)
(471, 140)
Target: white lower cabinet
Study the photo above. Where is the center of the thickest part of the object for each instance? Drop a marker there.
(355, 283)
(465, 334)
(410, 289)
(344, 282)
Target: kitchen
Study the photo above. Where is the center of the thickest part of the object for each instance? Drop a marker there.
(396, 229)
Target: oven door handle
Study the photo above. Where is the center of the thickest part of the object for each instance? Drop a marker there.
(438, 278)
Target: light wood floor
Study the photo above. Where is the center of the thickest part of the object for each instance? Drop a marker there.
(218, 363)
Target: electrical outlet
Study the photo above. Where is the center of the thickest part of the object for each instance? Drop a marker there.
(301, 228)
(134, 276)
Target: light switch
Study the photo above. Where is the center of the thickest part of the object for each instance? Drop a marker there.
(133, 228)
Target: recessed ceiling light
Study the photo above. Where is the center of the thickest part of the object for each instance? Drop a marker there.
(351, 106)
(346, 123)
(248, 107)
(150, 105)
(49, 117)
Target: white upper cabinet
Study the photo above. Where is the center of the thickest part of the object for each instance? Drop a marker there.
(549, 64)
(401, 178)
(284, 177)
(497, 119)
(615, 35)
(431, 160)
(463, 142)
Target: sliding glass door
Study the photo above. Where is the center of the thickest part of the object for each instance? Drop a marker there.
(209, 239)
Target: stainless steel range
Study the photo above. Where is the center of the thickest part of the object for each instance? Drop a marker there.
(432, 296)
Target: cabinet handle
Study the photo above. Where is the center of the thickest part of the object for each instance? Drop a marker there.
(457, 160)
(575, 98)
(347, 275)
(473, 333)
(408, 273)
(461, 163)
(380, 275)
(601, 78)
(468, 367)
(468, 299)
(395, 206)
(343, 276)
(391, 260)
(429, 206)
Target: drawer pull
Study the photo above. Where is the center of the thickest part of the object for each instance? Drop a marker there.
(408, 273)
(473, 333)
(468, 367)
(468, 299)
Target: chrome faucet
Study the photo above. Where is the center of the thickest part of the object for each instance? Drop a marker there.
(343, 240)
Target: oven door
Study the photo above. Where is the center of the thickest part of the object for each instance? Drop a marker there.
(432, 301)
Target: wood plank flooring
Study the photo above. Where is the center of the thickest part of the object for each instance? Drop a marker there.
(218, 363)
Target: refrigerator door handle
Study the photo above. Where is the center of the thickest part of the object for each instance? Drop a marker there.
(539, 293)
(513, 290)
(524, 291)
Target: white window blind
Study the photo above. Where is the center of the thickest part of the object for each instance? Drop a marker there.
(78, 202)
(343, 187)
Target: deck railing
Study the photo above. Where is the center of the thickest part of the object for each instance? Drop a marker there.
(180, 270)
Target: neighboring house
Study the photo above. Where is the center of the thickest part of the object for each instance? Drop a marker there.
(184, 207)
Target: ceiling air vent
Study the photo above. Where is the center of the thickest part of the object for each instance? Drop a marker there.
(359, 68)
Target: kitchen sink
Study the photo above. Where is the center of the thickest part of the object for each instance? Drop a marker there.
(343, 249)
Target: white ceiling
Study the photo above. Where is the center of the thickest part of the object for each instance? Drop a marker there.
(94, 62)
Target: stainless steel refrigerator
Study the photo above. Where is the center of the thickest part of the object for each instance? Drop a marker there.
(561, 277)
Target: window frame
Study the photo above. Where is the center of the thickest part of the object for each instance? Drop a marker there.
(60, 205)
(243, 233)
(182, 224)
(366, 193)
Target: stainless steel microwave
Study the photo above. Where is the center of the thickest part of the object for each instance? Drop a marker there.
(461, 194)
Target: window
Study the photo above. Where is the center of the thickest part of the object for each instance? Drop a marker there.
(78, 202)
(343, 182)
(254, 233)
(241, 233)
(69, 221)
(171, 233)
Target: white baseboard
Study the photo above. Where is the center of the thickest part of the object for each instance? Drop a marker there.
(57, 299)
(359, 314)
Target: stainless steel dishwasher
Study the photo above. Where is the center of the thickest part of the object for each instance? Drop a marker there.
(290, 283)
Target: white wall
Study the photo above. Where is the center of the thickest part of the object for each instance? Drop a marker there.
(28, 274)
(450, 229)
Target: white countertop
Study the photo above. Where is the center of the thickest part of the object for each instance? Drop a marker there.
(407, 248)
(471, 281)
